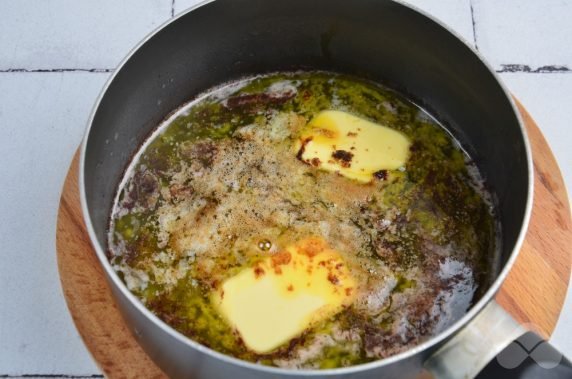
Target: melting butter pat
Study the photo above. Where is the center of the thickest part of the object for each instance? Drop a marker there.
(355, 148)
(282, 295)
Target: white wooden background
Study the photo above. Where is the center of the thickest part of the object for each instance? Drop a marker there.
(55, 55)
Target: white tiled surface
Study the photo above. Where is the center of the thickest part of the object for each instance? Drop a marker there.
(42, 121)
(43, 114)
(87, 34)
(543, 29)
(548, 98)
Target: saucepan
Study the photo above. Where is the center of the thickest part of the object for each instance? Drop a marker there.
(380, 40)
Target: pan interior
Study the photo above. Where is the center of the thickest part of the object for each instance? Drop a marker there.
(226, 184)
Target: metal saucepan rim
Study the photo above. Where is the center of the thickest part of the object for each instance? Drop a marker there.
(475, 309)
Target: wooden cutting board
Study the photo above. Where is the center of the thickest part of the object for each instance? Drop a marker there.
(533, 293)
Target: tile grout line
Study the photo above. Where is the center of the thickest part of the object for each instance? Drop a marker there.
(505, 68)
(172, 8)
(522, 68)
(474, 25)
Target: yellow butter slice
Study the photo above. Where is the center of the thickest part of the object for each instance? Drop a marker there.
(282, 295)
(355, 148)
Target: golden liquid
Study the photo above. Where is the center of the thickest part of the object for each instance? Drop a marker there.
(219, 188)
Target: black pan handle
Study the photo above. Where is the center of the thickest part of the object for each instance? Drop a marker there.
(528, 357)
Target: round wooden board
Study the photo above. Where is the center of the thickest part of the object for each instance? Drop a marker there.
(533, 293)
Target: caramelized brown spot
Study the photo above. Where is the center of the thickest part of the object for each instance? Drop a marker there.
(315, 162)
(278, 259)
(258, 271)
(206, 210)
(312, 247)
(343, 157)
(290, 288)
(326, 132)
(300, 154)
(352, 134)
(333, 279)
(348, 291)
(258, 99)
(281, 258)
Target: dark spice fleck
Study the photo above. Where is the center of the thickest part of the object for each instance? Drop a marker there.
(343, 157)
(381, 174)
